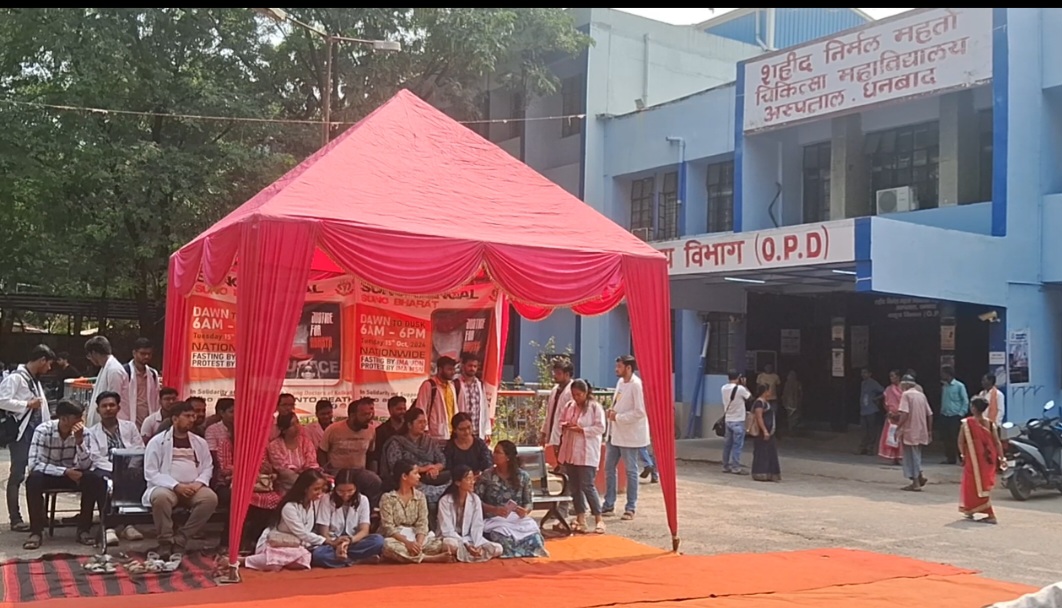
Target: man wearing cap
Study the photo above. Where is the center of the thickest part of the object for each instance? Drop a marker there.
(916, 420)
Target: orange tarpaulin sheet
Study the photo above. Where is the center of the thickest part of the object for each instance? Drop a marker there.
(595, 571)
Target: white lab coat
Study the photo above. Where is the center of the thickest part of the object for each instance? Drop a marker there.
(128, 411)
(15, 395)
(111, 378)
(158, 462)
(97, 443)
(554, 411)
(471, 525)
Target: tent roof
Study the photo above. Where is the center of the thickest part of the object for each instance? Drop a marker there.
(408, 168)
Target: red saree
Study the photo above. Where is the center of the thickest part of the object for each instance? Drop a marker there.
(892, 406)
(979, 466)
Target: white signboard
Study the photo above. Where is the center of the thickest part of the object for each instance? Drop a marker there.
(929, 51)
(808, 244)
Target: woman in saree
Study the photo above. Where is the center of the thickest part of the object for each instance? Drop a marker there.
(415, 445)
(765, 465)
(889, 445)
(982, 456)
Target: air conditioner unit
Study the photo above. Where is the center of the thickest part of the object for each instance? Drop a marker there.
(643, 233)
(896, 200)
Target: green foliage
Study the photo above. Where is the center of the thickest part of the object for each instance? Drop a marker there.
(519, 418)
(92, 204)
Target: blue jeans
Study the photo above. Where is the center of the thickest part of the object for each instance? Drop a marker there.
(647, 458)
(19, 461)
(325, 556)
(735, 440)
(630, 458)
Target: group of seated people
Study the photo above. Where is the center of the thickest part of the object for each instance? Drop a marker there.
(317, 488)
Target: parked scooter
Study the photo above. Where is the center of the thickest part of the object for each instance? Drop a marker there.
(1034, 455)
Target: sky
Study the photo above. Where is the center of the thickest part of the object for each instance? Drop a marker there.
(686, 16)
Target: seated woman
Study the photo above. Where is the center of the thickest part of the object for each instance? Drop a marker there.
(461, 520)
(404, 520)
(464, 448)
(506, 493)
(343, 520)
(264, 500)
(415, 445)
(291, 453)
(287, 542)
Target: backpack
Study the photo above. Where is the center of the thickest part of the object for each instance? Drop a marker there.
(435, 393)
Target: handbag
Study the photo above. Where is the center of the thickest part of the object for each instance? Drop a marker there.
(282, 540)
(720, 425)
(892, 438)
(264, 483)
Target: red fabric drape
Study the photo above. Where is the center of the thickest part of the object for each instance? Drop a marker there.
(649, 306)
(175, 360)
(275, 258)
(503, 336)
(592, 308)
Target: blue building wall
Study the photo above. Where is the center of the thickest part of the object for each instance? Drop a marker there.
(991, 253)
(793, 26)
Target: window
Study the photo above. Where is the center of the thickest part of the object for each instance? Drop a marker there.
(642, 194)
(721, 341)
(517, 111)
(985, 169)
(573, 99)
(667, 228)
(907, 156)
(721, 197)
(483, 114)
(817, 182)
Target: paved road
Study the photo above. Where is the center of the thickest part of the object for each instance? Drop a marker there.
(826, 500)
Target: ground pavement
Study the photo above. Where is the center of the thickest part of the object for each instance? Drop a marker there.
(829, 498)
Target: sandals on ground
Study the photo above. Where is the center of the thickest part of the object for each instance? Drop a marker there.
(578, 528)
(32, 543)
(599, 528)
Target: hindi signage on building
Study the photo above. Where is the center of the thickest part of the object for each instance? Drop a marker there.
(808, 244)
(926, 52)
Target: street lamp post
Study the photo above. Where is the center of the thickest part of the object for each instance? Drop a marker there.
(281, 16)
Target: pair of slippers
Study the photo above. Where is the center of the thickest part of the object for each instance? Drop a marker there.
(153, 563)
(100, 564)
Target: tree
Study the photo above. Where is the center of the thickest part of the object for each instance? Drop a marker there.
(94, 203)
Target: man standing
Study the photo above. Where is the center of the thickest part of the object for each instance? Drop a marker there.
(178, 467)
(112, 433)
(438, 397)
(954, 406)
(396, 410)
(768, 377)
(22, 398)
(870, 395)
(473, 398)
(735, 396)
(628, 433)
(59, 459)
(143, 395)
(559, 396)
(916, 420)
(112, 377)
(347, 445)
(997, 402)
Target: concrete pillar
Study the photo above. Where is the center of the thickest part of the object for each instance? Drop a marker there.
(959, 147)
(849, 191)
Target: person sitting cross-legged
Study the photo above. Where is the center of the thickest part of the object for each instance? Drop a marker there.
(112, 433)
(343, 520)
(59, 459)
(178, 468)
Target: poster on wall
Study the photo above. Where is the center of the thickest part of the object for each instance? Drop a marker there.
(790, 342)
(353, 340)
(837, 362)
(1018, 355)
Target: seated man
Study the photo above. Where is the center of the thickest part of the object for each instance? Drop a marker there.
(178, 468)
(325, 412)
(225, 412)
(59, 459)
(112, 433)
(347, 445)
(152, 424)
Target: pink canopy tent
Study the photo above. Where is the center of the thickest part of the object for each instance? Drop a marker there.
(413, 202)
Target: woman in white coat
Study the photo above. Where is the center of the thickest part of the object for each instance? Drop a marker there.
(461, 520)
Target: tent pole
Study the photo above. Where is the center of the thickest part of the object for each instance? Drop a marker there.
(326, 94)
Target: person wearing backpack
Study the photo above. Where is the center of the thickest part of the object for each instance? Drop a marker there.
(23, 407)
(438, 397)
(735, 396)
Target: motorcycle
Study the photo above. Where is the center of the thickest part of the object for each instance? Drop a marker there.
(1034, 455)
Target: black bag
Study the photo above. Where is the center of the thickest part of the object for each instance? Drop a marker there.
(9, 423)
(720, 425)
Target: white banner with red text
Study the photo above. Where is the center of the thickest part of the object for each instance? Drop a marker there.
(804, 245)
(353, 340)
